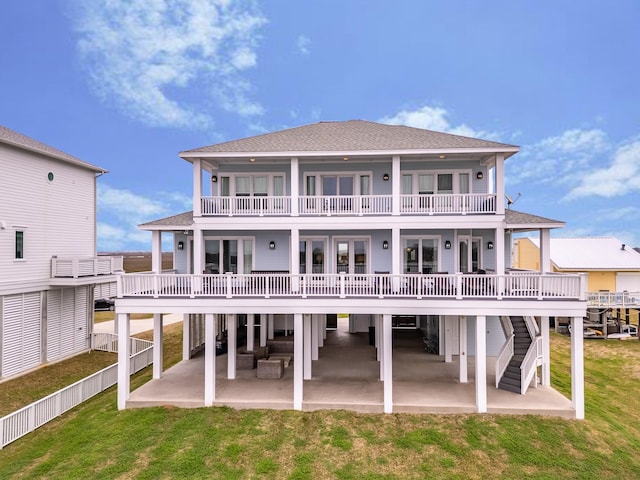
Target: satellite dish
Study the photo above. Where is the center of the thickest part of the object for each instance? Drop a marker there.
(511, 201)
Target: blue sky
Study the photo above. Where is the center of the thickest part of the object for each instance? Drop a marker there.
(127, 84)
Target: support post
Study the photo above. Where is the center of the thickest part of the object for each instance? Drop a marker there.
(306, 340)
(463, 349)
(546, 353)
(395, 186)
(294, 187)
(315, 334)
(448, 339)
(387, 340)
(481, 363)
(577, 367)
(156, 251)
(263, 329)
(232, 330)
(157, 345)
(297, 361)
(124, 360)
(270, 327)
(186, 336)
(251, 321)
(210, 324)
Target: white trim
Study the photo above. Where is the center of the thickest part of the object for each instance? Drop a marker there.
(439, 248)
(350, 239)
(355, 174)
(253, 174)
(455, 179)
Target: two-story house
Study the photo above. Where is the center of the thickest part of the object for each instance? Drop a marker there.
(403, 229)
(49, 270)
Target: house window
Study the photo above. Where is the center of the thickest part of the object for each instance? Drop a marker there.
(19, 245)
(420, 255)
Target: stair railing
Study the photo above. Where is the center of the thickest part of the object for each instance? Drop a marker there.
(506, 352)
(529, 366)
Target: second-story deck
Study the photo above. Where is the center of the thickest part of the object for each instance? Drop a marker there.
(75, 267)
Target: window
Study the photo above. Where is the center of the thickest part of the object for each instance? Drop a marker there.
(19, 245)
(420, 255)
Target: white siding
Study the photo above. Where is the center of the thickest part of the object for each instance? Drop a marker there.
(21, 332)
(105, 290)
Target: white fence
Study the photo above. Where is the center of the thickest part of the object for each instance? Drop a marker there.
(614, 299)
(36, 414)
(458, 286)
(85, 267)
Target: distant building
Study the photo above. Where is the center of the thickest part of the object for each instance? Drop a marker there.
(49, 270)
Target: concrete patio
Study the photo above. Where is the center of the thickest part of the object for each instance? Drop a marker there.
(346, 376)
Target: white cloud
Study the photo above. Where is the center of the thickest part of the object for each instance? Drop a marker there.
(303, 43)
(434, 118)
(144, 54)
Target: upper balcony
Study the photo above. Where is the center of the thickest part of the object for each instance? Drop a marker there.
(76, 267)
(349, 205)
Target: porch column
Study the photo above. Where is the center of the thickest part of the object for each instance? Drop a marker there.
(270, 327)
(209, 359)
(124, 360)
(294, 254)
(448, 338)
(387, 353)
(546, 353)
(499, 183)
(545, 250)
(324, 329)
(251, 321)
(577, 367)
(315, 333)
(197, 188)
(297, 361)
(500, 250)
(321, 329)
(378, 329)
(186, 337)
(198, 251)
(395, 185)
(463, 349)
(294, 189)
(306, 340)
(157, 345)
(481, 363)
(263, 329)
(232, 330)
(156, 251)
(396, 267)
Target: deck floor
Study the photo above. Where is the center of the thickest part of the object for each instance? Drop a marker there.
(346, 376)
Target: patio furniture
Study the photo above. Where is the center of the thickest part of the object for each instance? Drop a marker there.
(270, 368)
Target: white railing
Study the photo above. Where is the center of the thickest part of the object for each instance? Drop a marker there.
(504, 357)
(343, 285)
(357, 205)
(529, 366)
(27, 419)
(613, 299)
(454, 203)
(85, 267)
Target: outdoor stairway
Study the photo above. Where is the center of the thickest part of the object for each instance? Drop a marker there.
(522, 340)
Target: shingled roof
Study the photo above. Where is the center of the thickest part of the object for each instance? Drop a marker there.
(349, 136)
(11, 137)
(514, 219)
(179, 221)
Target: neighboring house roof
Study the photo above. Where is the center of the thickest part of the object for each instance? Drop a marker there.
(591, 253)
(351, 135)
(15, 139)
(179, 221)
(521, 220)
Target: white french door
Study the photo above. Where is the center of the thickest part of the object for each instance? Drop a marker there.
(352, 256)
(469, 254)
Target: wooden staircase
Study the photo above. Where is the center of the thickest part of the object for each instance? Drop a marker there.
(511, 379)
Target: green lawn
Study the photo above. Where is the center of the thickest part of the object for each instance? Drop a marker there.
(97, 441)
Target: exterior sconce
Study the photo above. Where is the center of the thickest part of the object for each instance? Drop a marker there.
(385, 245)
(214, 178)
(490, 245)
(272, 245)
(385, 177)
(447, 245)
(479, 175)
(180, 245)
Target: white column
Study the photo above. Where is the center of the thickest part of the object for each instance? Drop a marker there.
(324, 329)
(197, 187)
(198, 251)
(499, 183)
(387, 354)
(463, 349)
(500, 250)
(481, 363)
(396, 267)
(297, 361)
(124, 361)
(232, 330)
(396, 178)
(545, 250)
(448, 338)
(306, 340)
(186, 337)
(295, 190)
(315, 333)
(294, 253)
(156, 251)
(157, 345)
(251, 321)
(263, 329)
(270, 327)
(577, 367)
(546, 353)
(378, 327)
(209, 359)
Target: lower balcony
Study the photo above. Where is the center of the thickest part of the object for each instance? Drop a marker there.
(417, 286)
(75, 267)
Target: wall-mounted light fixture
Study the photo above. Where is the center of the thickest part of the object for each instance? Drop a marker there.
(490, 245)
(272, 245)
(385, 177)
(385, 245)
(479, 175)
(214, 178)
(180, 245)
(252, 160)
(447, 245)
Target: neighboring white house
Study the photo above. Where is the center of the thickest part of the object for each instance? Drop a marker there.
(396, 226)
(49, 270)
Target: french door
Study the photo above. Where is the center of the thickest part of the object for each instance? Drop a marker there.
(352, 256)
(468, 254)
(313, 255)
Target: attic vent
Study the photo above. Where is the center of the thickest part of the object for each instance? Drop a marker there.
(623, 245)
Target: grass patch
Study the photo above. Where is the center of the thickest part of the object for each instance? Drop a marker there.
(106, 316)
(97, 441)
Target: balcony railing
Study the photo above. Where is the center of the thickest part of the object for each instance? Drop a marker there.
(447, 286)
(614, 299)
(354, 205)
(85, 267)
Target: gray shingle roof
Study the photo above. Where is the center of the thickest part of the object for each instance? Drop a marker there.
(11, 137)
(512, 218)
(351, 135)
(180, 221)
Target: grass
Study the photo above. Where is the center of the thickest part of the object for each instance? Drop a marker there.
(105, 316)
(97, 441)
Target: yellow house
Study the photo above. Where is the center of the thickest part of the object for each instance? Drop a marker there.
(610, 264)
